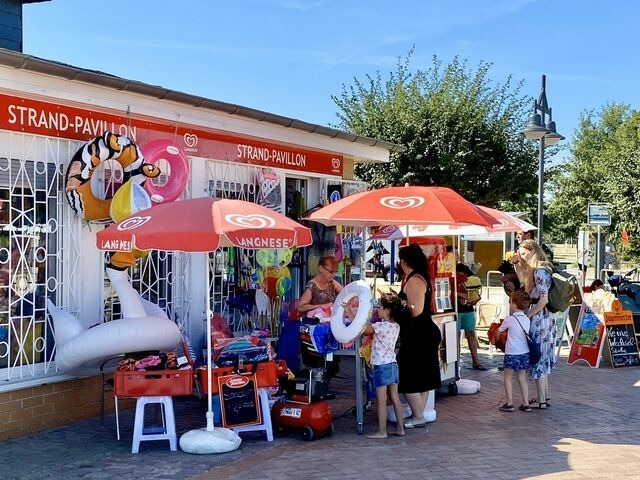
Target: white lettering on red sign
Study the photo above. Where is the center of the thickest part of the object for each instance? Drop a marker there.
(264, 154)
(60, 121)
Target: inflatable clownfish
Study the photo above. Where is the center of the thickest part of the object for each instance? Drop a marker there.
(108, 146)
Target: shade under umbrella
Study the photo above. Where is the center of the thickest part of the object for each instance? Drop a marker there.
(203, 225)
(504, 223)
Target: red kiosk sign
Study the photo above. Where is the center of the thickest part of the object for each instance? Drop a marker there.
(38, 117)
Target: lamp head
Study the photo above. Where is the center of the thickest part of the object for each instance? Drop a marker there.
(534, 130)
(552, 137)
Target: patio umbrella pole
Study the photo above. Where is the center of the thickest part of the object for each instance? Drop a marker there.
(209, 440)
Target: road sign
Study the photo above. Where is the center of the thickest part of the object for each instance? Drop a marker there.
(598, 214)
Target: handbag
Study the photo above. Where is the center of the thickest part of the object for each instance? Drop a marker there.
(496, 338)
(534, 348)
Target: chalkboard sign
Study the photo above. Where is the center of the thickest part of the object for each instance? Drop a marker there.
(621, 337)
(239, 400)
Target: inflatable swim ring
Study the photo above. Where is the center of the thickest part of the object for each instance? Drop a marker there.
(156, 151)
(346, 333)
(78, 186)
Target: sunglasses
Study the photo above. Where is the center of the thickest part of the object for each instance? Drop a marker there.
(332, 272)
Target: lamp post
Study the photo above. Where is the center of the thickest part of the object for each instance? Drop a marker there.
(539, 128)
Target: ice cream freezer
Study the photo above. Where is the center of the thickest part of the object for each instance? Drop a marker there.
(448, 350)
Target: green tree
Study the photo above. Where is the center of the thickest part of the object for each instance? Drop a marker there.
(604, 166)
(460, 130)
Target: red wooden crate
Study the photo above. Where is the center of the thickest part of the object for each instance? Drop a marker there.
(267, 374)
(153, 383)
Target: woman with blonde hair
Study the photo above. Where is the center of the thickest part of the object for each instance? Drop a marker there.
(534, 273)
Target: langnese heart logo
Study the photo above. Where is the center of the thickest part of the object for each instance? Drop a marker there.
(190, 139)
(401, 202)
(133, 223)
(255, 220)
(335, 163)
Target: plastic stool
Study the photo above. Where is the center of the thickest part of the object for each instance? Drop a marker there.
(265, 411)
(165, 432)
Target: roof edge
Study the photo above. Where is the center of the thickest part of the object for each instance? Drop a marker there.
(30, 63)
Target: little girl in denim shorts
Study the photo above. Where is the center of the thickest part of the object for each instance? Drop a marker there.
(516, 353)
(383, 358)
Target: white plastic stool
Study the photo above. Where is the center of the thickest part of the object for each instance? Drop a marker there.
(165, 432)
(265, 409)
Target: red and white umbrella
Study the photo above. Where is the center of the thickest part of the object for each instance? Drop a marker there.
(203, 225)
(409, 205)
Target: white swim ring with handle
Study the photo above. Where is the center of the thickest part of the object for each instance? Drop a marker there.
(346, 333)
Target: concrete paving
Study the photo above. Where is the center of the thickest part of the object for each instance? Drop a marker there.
(590, 431)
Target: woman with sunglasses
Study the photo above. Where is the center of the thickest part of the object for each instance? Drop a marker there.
(322, 290)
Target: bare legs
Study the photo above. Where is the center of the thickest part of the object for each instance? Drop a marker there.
(508, 388)
(542, 385)
(522, 383)
(472, 340)
(381, 398)
(417, 402)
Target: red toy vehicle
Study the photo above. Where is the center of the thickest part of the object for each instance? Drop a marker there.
(302, 411)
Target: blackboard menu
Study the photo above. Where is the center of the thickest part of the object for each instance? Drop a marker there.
(621, 337)
(239, 400)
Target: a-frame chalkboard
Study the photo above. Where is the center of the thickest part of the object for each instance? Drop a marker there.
(621, 337)
(239, 403)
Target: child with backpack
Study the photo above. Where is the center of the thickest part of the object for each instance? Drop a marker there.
(516, 353)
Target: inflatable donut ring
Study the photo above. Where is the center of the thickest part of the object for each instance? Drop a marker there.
(265, 257)
(166, 150)
(346, 333)
(284, 256)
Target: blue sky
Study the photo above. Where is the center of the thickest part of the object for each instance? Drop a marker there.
(289, 56)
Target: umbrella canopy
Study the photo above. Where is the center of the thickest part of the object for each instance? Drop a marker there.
(202, 225)
(409, 205)
(503, 223)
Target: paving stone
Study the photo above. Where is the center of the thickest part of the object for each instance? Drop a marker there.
(591, 430)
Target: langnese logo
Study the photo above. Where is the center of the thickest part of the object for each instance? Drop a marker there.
(255, 220)
(399, 203)
(191, 141)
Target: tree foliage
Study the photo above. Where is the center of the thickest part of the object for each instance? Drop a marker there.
(604, 166)
(459, 129)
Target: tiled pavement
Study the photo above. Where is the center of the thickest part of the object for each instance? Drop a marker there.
(590, 431)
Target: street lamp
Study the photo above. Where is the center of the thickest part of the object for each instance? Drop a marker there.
(539, 128)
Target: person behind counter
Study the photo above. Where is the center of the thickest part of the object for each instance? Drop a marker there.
(420, 337)
(322, 290)
(467, 316)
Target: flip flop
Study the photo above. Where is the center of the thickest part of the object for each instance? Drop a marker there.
(480, 367)
(409, 425)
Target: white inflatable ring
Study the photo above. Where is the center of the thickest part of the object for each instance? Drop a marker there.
(346, 333)
(157, 150)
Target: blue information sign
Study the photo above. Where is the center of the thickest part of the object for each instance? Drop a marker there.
(598, 214)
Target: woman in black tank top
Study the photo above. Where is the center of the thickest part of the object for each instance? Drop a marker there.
(420, 337)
